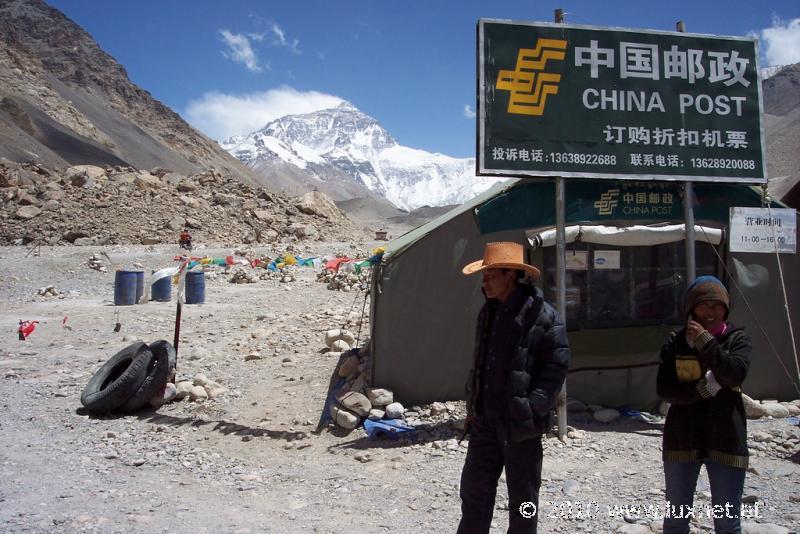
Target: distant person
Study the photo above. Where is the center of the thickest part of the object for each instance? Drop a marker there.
(185, 239)
(702, 368)
(520, 363)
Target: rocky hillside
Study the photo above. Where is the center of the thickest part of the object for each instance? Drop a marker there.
(64, 101)
(782, 122)
(87, 204)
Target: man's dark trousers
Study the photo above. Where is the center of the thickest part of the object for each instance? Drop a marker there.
(489, 451)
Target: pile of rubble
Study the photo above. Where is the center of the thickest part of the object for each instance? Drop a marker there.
(95, 262)
(356, 400)
(243, 276)
(345, 280)
(89, 205)
(49, 292)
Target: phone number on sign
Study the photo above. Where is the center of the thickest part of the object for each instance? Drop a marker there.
(583, 159)
(722, 163)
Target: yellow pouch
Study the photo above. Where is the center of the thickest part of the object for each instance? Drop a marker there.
(687, 368)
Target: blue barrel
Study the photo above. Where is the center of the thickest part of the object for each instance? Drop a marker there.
(195, 287)
(125, 288)
(139, 285)
(162, 290)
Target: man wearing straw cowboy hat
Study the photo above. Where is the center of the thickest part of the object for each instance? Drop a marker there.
(520, 362)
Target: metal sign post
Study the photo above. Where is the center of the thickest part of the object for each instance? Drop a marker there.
(561, 276)
(688, 211)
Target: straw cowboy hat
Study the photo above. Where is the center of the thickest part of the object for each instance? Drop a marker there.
(502, 255)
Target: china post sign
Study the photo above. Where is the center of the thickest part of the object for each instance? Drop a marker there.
(580, 101)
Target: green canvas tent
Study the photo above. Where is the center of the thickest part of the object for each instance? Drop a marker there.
(423, 310)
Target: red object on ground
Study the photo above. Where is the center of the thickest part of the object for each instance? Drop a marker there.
(333, 265)
(26, 328)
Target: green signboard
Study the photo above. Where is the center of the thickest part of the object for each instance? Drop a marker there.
(580, 101)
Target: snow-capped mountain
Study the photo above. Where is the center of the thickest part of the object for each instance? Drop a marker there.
(769, 72)
(344, 141)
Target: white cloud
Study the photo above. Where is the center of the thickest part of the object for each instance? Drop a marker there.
(239, 50)
(468, 111)
(220, 115)
(281, 39)
(782, 41)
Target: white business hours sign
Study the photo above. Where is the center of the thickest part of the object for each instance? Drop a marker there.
(763, 230)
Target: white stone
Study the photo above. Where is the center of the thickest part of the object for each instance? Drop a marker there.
(380, 396)
(340, 345)
(606, 415)
(339, 334)
(375, 414)
(395, 410)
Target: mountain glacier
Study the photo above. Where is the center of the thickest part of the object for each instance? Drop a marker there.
(357, 146)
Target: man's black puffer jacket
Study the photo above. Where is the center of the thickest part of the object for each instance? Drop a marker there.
(536, 369)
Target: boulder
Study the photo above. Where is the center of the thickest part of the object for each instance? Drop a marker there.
(355, 402)
(263, 215)
(395, 410)
(775, 410)
(337, 334)
(145, 180)
(340, 345)
(89, 171)
(176, 223)
(606, 415)
(28, 212)
(183, 389)
(198, 394)
(349, 366)
(380, 396)
(304, 231)
(343, 418)
(752, 408)
(318, 203)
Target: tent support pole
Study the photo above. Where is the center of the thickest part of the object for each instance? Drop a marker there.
(561, 292)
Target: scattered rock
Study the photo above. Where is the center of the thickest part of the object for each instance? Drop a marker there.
(606, 415)
(395, 410)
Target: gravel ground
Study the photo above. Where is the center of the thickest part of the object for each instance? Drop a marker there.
(249, 460)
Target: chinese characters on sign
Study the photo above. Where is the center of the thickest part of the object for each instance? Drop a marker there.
(561, 100)
(763, 230)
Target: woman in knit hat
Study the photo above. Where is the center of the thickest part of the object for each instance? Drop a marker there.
(702, 368)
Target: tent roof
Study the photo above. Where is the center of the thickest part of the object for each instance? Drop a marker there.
(527, 211)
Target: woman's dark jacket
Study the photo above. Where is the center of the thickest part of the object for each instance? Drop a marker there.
(700, 426)
(534, 365)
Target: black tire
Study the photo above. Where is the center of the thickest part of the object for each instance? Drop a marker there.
(117, 379)
(158, 369)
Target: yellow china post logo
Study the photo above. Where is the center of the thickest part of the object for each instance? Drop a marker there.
(608, 201)
(529, 86)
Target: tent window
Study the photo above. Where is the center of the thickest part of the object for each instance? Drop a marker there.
(645, 287)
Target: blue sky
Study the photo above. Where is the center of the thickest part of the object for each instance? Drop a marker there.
(230, 67)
